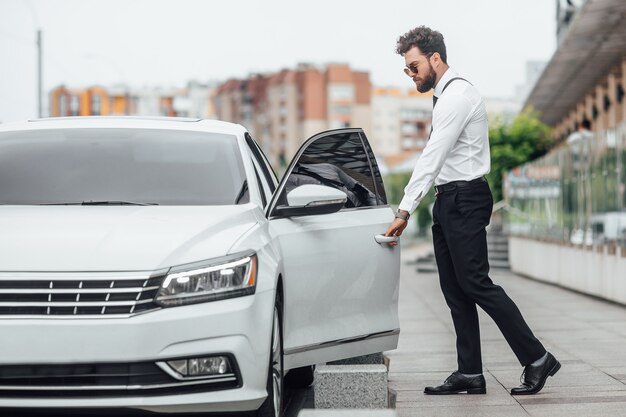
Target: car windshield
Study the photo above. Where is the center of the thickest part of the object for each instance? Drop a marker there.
(120, 166)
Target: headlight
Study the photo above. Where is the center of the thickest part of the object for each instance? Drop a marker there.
(201, 282)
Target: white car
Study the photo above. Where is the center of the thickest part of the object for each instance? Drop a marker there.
(157, 264)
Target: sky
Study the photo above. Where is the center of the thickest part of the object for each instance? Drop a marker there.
(149, 43)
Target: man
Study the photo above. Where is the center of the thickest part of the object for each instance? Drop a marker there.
(456, 158)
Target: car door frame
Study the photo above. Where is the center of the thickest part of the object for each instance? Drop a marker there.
(340, 348)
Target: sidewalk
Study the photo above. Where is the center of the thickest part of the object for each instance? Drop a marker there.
(588, 336)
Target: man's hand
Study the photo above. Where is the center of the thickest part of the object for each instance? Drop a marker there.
(395, 229)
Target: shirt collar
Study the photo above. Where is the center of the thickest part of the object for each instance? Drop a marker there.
(447, 76)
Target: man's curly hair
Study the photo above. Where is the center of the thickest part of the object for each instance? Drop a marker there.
(427, 40)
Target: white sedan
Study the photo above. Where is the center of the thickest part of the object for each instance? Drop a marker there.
(158, 264)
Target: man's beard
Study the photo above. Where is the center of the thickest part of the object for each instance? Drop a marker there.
(429, 81)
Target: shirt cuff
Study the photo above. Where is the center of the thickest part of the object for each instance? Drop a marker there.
(408, 204)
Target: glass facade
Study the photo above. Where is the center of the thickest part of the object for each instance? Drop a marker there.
(575, 194)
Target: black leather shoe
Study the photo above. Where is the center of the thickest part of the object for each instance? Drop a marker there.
(535, 376)
(457, 383)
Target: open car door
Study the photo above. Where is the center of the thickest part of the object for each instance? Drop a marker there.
(340, 276)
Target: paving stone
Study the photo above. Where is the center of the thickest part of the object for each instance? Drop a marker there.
(348, 413)
(410, 389)
(616, 409)
(351, 386)
(464, 410)
(586, 335)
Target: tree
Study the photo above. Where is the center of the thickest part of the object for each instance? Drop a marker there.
(514, 143)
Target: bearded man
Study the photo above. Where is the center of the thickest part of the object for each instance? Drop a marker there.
(456, 158)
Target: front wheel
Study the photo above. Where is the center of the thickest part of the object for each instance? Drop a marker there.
(273, 404)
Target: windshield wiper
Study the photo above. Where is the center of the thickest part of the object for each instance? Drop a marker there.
(101, 203)
(115, 203)
(242, 192)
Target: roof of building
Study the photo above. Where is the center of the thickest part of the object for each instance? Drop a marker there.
(594, 43)
(229, 85)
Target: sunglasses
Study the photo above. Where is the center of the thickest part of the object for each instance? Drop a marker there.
(413, 67)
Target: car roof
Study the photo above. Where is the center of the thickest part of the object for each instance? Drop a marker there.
(126, 122)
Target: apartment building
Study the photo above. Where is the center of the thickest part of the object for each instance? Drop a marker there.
(401, 120)
(283, 109)
(194, 100)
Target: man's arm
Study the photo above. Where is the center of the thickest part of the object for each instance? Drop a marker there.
(449, 120)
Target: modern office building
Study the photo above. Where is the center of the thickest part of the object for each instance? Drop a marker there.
(568, 209)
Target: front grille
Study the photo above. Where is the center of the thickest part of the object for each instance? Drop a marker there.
(102, 379)
(73, 294)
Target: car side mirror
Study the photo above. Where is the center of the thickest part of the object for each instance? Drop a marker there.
(311, 199)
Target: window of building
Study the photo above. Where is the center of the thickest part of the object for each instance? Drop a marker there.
(408, 128)
(96, 105)
(341, 92)
(74, 106)
(409, 113)
(407, 143)
(63, 105)
(344, 110)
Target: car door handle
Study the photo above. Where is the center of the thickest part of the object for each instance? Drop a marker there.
(386, 239)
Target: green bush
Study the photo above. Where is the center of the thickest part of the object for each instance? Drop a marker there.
(514, 143)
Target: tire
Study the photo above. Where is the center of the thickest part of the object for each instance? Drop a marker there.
(273, 404)
(300, 378)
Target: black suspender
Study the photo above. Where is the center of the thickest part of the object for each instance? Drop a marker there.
(452, 79)
(436, 98)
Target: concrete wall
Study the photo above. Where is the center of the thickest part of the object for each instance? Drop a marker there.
(597, 271)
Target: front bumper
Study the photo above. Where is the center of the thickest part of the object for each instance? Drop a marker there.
(240, 327)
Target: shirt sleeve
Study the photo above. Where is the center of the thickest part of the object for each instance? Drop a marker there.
(450, 118)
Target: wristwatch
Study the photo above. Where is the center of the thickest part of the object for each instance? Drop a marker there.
(402, 216)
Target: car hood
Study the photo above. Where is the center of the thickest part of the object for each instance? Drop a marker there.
(117, 238)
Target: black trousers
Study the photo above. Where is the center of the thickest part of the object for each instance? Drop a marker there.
(460, 240)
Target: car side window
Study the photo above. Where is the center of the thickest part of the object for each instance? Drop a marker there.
(340, 160)
(273, 179)
(263, 164)
(376, 175)
(265, 188)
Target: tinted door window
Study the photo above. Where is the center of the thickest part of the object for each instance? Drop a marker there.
(378, 179)
(338, 160)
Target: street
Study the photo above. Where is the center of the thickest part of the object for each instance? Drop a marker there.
(586, 335)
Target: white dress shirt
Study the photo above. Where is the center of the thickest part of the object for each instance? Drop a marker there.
(458, 148)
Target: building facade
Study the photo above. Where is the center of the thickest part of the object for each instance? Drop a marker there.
(401, 120)
(568, 209)
(281, 110)
(195, 100)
